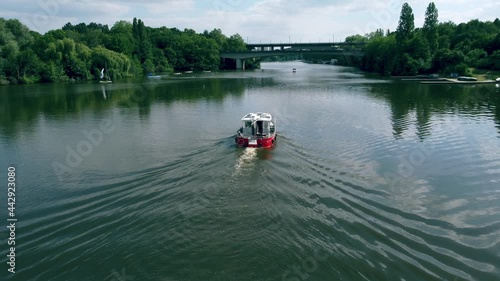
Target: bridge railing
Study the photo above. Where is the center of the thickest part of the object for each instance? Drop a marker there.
(266, 47)
(257, 54)
(306, 44)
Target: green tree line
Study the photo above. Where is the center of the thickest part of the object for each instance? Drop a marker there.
(79, 52)
(434, 48)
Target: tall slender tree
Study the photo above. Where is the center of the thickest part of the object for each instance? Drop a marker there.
(406, 25)
(430, 26)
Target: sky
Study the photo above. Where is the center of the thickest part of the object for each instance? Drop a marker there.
(257, 21)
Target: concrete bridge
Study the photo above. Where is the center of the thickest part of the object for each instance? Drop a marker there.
(269, 50)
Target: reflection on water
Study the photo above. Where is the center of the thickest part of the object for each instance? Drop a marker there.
(29, 102)
(104, 96)
(411, 104)
(416, 105)
(370, 179)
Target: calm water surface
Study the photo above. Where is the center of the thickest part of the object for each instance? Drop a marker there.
(371, 179)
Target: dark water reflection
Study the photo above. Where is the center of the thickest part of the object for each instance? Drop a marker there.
(413, 102)
(407, 100)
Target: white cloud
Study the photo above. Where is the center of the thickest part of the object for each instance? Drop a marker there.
(260, 20)
(169, 7)
(42, 16)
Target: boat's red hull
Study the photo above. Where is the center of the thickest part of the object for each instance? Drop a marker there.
(257, 142)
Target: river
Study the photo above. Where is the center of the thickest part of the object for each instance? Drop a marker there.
(370, 179)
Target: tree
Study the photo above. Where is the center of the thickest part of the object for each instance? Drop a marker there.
(356, 39)
(379, 55)
(406, 25)
(494, 44)
(492, 62)
(20, 32)
(431, 16)
(121, 38)
(219, 38)
(495, 60)
(29, 66)
(430, 26)
(420, 52)
(448, 61)
(475, 57)
(235, 43)
(378, 33)
(143, 50)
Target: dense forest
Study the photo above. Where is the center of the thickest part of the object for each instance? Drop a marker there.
(79, 52)
(434, 48)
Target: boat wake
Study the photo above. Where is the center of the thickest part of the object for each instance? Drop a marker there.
(245, 161)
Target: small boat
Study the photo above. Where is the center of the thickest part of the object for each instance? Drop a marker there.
(457, 82)
(466, 78)
(498, 79)
(294, 70)
(258, 130)
(188, 72)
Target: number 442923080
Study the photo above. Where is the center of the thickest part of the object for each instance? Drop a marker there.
(11, 191)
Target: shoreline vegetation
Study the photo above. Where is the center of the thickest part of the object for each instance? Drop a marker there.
(131, 49)
(127, 49)
(447, 49)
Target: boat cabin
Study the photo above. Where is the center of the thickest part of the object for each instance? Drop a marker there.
(257, 124)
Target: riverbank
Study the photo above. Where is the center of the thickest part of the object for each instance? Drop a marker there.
(455, 81)
(485, 74)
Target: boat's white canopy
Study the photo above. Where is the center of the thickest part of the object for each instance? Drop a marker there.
(259, 116)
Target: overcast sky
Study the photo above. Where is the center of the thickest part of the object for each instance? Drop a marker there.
(255, 20)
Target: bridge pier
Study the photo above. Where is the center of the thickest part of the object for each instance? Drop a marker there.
(240, 64)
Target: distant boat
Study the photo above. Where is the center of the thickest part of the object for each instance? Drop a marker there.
(189, 71)
(177, 73)
(294, 70)
(151, 76)
(498, 79)
(107, 80)
(466, 78)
